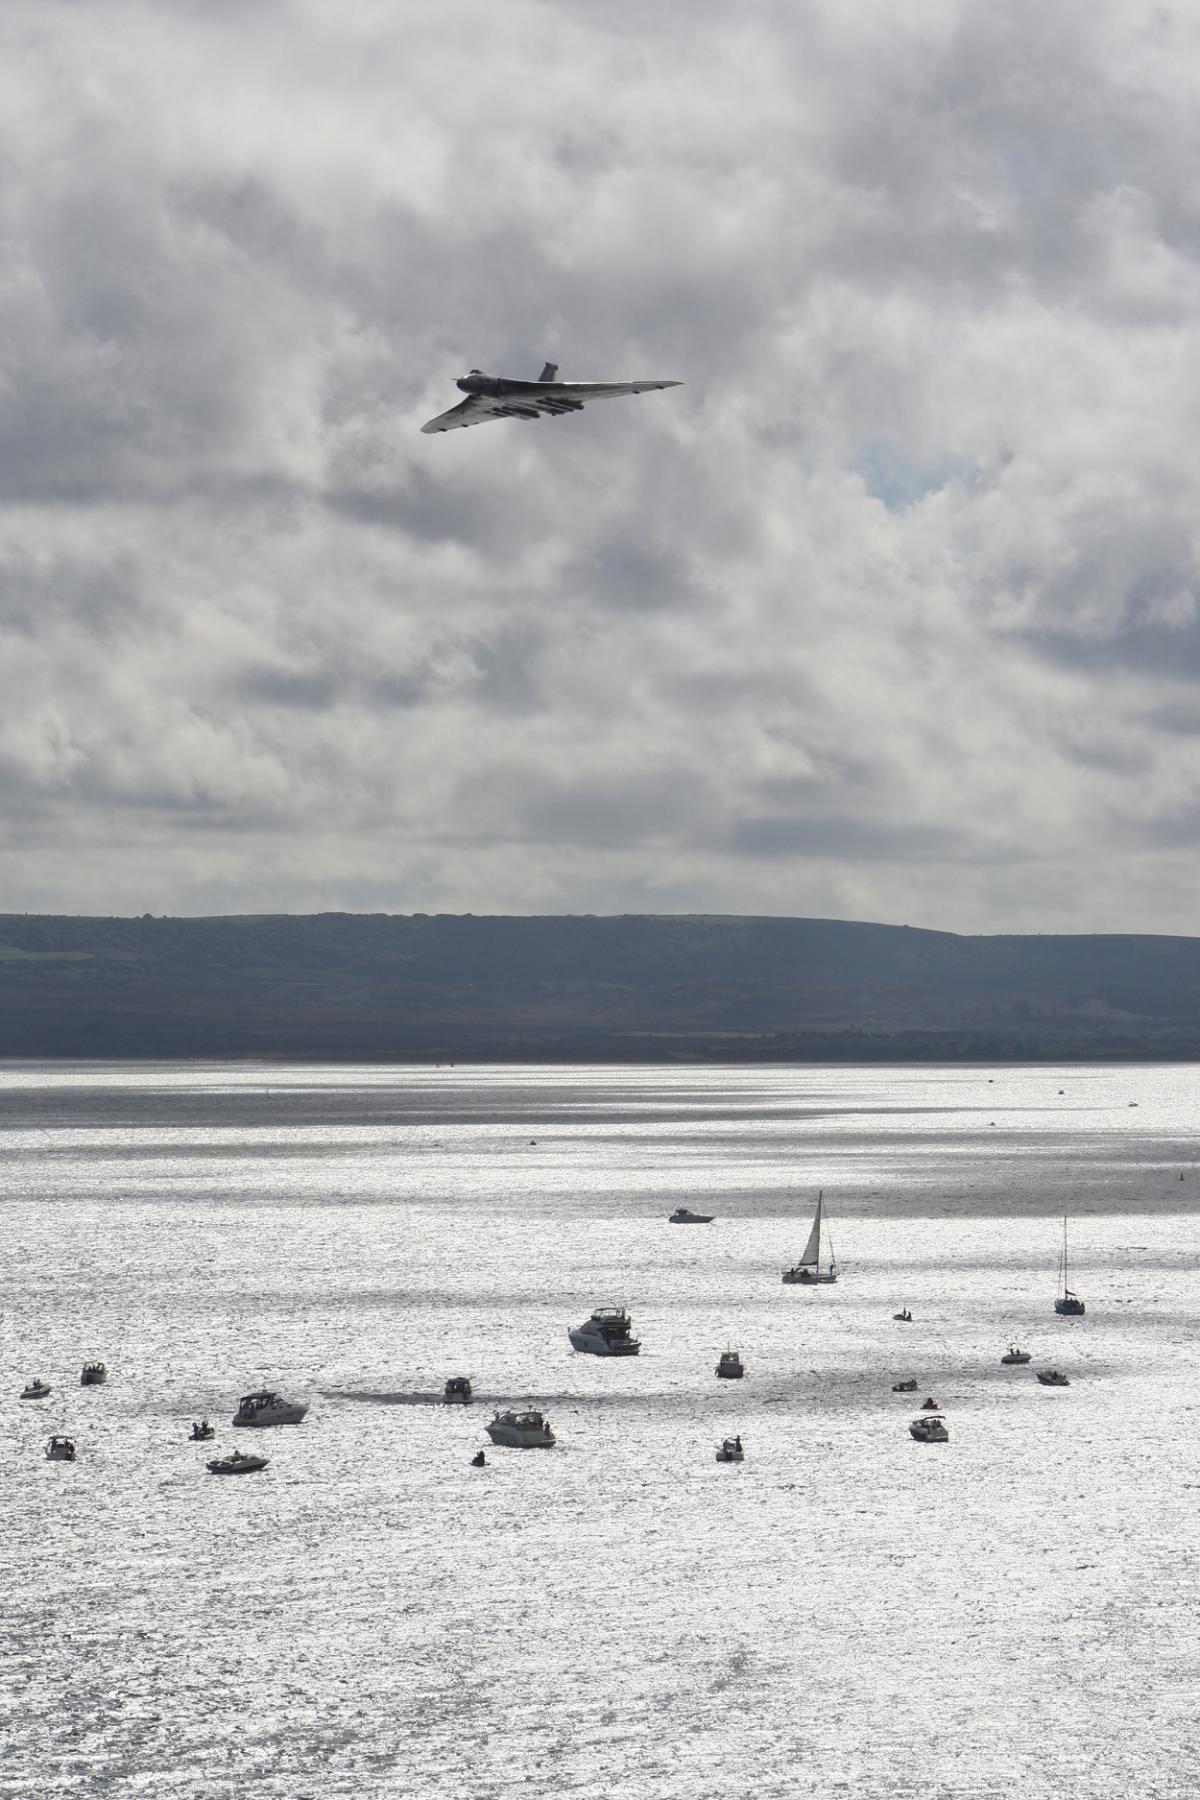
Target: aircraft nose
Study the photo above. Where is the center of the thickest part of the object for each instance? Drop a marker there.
(471, 384)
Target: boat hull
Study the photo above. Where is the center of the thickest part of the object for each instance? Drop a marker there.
(513, 1438)
(692, 1219)
(929, 1431)
(1069, 1308)
(802, 1278)
(241, 1465)
(271, 1415)
(594, 1345)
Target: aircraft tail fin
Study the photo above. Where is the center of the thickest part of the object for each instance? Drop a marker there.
(549, 373)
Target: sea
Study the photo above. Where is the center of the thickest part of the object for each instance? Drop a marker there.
(846, 1612)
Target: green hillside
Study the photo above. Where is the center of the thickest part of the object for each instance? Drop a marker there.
(630, 988)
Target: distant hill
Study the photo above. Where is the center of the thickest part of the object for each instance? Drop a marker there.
(632, 988)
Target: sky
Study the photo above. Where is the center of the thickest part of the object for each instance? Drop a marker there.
(889, 612)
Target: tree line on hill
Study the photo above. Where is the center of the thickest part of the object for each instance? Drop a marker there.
(626, 988)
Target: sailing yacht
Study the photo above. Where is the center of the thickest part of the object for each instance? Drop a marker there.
(808, 1272)
(1067, 1303)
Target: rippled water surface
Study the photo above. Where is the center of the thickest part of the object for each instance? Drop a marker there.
(848, 1611)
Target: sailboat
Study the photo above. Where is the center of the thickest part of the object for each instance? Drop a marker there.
(808, 1272)
(1067, 1302)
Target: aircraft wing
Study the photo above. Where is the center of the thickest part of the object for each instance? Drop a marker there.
(604, 390)
(536, 399)
(476, 409)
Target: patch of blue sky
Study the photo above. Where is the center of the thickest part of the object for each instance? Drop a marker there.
(899, 481)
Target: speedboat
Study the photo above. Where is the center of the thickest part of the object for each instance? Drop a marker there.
(36, 1390)
(1052, 1378)
(266, 1408)
(60, 1449)
(730, 1366)
(930, 1429)
(1013, 1355)
(94, 1375)
(202, 1431)
(458, 1391)
(239, 1463)
(731, 1450)
(905, 1317)
(607, 1333)
(521, 1431)
(905, 1387)
(930, 1405)
(681, 1216)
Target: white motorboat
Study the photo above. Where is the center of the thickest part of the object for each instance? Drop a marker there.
(36, 1390)
(807, 1272)
(60, 1449)
(681, 1216)
(458, 1391)
(94, 1375)
(239, 1463)
(730, 1366)
(930, 1429)
(1013, 1355)
(1052, 1378)
(521, 1431)
(731, 1450)
(609, 1332)
(267, 1408)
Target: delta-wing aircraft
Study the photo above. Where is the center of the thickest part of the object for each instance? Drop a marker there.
(502, 397)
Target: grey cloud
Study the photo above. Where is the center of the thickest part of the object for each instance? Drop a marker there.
(635, 577)
(889, 611)
(781, 835)
(311, 692)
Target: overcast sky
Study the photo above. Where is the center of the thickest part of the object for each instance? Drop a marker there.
(889, 613)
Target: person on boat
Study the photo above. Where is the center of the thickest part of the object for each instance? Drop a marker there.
(737, 1444)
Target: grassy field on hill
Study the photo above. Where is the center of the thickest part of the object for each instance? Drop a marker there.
(646, 987)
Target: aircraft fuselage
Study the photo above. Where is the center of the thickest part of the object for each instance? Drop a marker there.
(500, 385)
